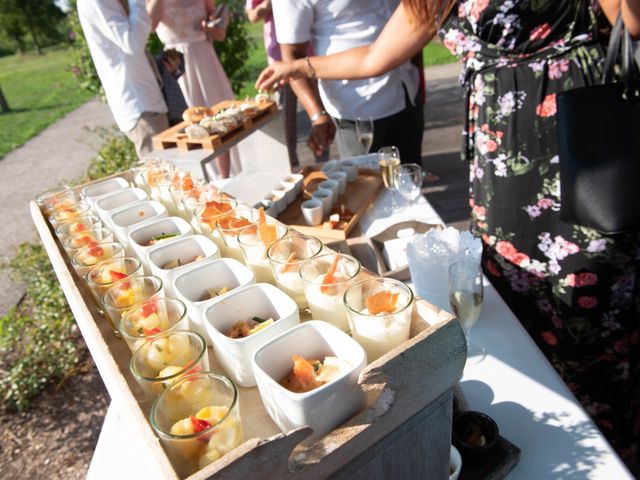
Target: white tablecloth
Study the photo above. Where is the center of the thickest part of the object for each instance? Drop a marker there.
(517, 386)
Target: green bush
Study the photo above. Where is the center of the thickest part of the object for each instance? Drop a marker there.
(39, 340)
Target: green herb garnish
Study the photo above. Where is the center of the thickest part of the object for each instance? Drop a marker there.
(258, 319)
(163, 236)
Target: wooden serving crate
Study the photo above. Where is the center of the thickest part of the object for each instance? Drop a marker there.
(359, 195)
(404, 431)
(175, 137)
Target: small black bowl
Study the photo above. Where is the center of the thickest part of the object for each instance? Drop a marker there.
(475, 435)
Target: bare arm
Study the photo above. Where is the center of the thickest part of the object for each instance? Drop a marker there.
(322, 130)
(154, 8)
(396, 44)
(259, 12)
(630, 13)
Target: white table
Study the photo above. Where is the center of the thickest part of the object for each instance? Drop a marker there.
(518, 387)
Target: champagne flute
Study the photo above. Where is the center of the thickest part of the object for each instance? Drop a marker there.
(364, 132)
(389, 159)
(465, 295)
(409, 181)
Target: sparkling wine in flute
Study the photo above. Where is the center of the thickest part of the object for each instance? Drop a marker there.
(467, 306)
(387, 168)
(366, 139)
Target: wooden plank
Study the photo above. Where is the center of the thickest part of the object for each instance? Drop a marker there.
(359, 196)
(397, 391)
(174, 137)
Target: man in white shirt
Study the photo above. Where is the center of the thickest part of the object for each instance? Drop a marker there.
(332, 26)
(117, 35)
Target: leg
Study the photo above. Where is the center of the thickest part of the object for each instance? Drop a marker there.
(149, 124)
(223, 162)
(289, 104)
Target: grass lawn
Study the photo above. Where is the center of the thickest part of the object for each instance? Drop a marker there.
(39, 90)
(433, 54)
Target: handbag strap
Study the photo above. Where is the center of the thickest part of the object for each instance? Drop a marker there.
(620, 43)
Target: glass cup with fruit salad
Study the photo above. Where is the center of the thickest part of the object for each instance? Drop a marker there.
(77, 225)
(150, 319)
(63, 212)
(86, 257)
(326, 278)
(379, 312)
(198, 420)
(165, 357)
(286, 256)
(91, 236)
(127, 293)
(56, 197)
(103, 275)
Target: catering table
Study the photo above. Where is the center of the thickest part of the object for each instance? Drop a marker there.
(515, 385)
(518, 387)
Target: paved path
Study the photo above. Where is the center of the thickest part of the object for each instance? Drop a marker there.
(63, 151)
(60, 152)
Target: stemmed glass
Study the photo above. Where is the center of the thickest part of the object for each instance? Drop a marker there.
(465, 295)
(389, 159)
(409, 181)
(364, 132)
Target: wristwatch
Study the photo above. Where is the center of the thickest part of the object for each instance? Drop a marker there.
(317, 115)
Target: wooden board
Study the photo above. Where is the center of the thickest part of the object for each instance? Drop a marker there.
(175, 137)
(359, 195)
(406, 387)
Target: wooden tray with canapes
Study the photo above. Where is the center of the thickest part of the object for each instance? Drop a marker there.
(175, 137)
(359, 195)
(403, 429)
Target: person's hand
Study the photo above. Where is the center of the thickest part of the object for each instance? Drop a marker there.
(322, 132)
(279, 73)
(214, 33)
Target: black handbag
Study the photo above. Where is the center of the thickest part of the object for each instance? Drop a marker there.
(599, 146)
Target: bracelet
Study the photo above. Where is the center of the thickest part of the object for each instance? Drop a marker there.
(317, 115)
(310, 67)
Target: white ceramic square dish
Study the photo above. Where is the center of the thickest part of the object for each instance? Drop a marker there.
(259, 300)
(125, 218)
(196, 285)
(155, 230)
(182, 250)
(106, 204)
(93, 192)
(325, 407)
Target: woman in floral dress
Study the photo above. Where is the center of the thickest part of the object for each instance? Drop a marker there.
(575, 290)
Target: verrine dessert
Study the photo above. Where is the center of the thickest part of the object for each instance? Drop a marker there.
(151, 318)
(198, 420)
(127, 293)
(65, 211)
(326, 278)
(86, 237)
(77, 225)
(208, 214)
(286, 256)
(164, 358)
(86, 257)
(229, 226)
(255, 240)
(105, 274)
(379, 311)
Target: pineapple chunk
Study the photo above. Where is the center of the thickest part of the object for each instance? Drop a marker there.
(209, 456)
(182, 427)
(212, 414)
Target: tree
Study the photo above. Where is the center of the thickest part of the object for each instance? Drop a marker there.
(38, 18)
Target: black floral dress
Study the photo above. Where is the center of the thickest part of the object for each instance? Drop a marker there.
(575, 290)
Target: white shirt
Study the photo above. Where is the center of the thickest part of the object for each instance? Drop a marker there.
(333, 26)
(117, 44)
